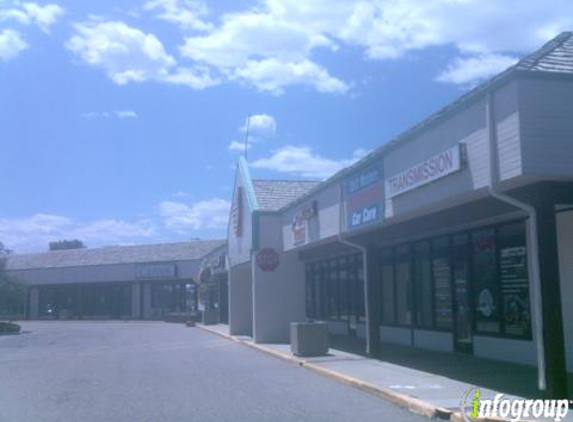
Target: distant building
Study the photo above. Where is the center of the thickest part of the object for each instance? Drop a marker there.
(213, 287)
(135, 282)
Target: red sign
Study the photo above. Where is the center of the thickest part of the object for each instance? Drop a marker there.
(204, 275)
(268, 259)
(300, 222)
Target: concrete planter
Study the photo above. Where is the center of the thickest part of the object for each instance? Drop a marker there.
(210, 316)
(309, 338)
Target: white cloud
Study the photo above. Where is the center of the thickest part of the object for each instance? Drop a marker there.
(126, 114)
(261, 125)
(271, 46)
(184, 218)
(128, 54)
(11, 44)
(304, 162)
(272, 75)
(43, 16)
(34, 233)
(120, 114)
(261, 50)
(239, 146)
(391, 28)
(469, 70)
(198, 79)
(188, 14)
(125, 53)
(32, 13)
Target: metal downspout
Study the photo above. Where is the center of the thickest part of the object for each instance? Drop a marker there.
(364, 251)
(535, 279)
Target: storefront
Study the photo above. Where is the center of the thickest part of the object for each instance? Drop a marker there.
(79, 301)
(335, 293)
(456, 236)
(119, 282)
(467, 283)
(214, 285)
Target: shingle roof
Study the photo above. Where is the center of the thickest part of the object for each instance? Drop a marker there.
(272, 195)
(178, 251)
(555, 57)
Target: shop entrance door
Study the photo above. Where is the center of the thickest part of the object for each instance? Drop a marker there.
(463, 335)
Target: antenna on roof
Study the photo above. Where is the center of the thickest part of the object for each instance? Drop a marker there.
(247, 135)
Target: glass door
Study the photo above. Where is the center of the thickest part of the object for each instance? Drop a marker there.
(463, 335)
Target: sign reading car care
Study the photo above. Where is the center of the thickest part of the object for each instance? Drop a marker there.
(363, 198)
(434, 168)
(155, 270)
(268, 259)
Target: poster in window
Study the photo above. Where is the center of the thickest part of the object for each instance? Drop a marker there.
(487, 314)
(515, 290)
(442, 292)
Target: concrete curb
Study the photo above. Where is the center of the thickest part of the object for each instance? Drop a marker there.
(412, 404)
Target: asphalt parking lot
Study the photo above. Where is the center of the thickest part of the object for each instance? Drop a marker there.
(153, 371)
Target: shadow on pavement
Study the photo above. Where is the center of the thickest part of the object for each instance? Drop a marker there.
(508, 378)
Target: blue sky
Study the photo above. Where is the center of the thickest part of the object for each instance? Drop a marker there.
(121, 124)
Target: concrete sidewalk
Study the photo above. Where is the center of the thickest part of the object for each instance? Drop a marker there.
(425, 393)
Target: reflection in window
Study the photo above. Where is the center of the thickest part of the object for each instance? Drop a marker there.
(423, 285)
(403, 289)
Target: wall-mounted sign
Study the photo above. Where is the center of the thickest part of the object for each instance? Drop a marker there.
(204, 275)
(217, 262)
(434, 168)
(300, 222)
(151, 271)
(363, 198)
(268, 259)
(237, 213)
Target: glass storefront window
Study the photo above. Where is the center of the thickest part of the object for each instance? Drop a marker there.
(463, 332)
(335, 289)
(318, 292)
(482, 272)
(484, 277)
(334, 293)
(403, 286)
(325, 289)
(441, 272)
(469, 281)
(85, 300)
(343, 288)
(387, 289)
(309, 293)
(361, 308)
(423, 286)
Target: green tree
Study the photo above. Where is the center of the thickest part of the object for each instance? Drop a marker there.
(13, 292)
(66, 244)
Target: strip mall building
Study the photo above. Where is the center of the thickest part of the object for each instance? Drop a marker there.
(456, 236)
(126, 282)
